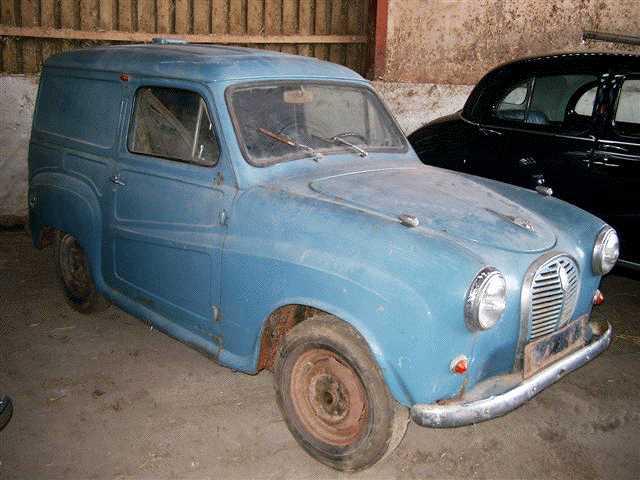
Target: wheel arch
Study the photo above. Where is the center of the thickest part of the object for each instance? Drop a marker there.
(292, 312)
(64, 203)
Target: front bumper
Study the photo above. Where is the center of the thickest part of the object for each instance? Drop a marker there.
(457, 414)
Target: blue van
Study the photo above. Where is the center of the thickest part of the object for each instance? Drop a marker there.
(267, 210)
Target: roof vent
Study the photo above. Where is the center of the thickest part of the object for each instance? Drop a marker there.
(169, 41)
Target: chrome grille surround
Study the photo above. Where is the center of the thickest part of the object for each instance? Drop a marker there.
(549, 294)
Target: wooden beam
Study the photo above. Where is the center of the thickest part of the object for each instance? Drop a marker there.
(31, 58)
(10, 47)
(118, 36)
(201, 16)
(289, 22)
(219, 16)
(338, 26)
(322, 24)
(305, 25)
(380, 44)
(164, 14)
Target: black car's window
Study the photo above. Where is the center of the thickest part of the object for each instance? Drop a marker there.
(627, 119)
(559, 103)
(513, 105)
(174, 124)
(586, 101)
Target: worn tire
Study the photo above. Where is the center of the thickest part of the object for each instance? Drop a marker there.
(75, 276)
(6, 410)
(333, 396)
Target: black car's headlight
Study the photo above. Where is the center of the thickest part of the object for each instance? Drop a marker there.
(486, 299)
(606, 251)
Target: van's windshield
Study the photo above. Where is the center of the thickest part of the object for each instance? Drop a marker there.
(282, 121)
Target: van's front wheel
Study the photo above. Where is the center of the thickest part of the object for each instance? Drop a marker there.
(333, 396)
(75, 276)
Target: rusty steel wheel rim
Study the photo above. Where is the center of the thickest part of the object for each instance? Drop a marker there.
(74, 268)
(329, 397)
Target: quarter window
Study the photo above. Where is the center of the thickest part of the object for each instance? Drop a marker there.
(174, 124)
(513, 105)
(586, 101)
(627, 120)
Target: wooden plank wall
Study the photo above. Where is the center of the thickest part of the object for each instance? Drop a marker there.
(231, 17)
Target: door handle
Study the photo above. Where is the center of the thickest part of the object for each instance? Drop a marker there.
(617, 148)
(117, 180)
(605, 163)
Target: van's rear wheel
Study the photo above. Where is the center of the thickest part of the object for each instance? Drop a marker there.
(75, 276)
(333, 396)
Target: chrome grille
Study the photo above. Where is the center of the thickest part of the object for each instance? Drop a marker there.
(553, 295)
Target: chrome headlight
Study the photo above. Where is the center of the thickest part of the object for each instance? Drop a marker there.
(606, 251)
(486, 299)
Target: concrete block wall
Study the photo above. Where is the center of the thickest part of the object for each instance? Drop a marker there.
(412, 105)
(17, 101)
(458, 41)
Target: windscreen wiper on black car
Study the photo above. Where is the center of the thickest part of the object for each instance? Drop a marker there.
(289, 141)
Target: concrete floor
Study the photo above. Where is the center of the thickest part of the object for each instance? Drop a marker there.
(107, 397)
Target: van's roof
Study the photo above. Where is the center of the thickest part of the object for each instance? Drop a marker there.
(198, 62)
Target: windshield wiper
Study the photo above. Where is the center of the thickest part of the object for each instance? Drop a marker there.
(338, 139)
(289, 141)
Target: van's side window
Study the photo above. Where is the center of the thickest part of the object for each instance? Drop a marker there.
(174, 124)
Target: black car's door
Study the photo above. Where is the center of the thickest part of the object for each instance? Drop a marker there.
(547, 133)
(616, 163)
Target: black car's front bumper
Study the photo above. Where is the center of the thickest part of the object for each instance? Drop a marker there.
(459, 413)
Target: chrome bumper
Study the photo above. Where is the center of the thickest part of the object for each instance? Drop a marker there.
(467, 413)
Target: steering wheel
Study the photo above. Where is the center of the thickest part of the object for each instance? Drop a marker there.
(291, 129)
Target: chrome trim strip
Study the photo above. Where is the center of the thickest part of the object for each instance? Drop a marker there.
(460, 414)
(628, 264)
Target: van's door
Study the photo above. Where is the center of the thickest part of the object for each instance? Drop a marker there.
(170, 195)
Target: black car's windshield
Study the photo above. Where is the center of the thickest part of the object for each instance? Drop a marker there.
(281, 121)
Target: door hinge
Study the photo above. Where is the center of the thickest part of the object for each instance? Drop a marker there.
(216, 315)
(222, 217)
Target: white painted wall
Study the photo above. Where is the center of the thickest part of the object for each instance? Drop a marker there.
(415, 104)
(17, 100)
(412, 104)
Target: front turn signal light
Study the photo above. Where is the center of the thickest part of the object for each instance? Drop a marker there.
(460, 365)
(598, 298)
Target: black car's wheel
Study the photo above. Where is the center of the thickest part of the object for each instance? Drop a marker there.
(75, 276)
(6, 410)
(333, 396)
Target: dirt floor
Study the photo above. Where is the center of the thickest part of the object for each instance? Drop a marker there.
(107, 397)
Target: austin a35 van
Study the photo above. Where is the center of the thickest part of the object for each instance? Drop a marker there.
(267, 210)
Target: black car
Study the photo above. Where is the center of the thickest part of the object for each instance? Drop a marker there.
(570, 122)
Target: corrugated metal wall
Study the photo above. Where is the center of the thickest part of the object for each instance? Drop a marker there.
(29, 27)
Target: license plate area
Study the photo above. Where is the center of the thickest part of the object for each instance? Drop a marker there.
(546, 350)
